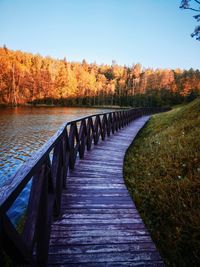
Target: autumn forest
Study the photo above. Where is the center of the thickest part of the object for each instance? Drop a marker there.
(27, 78)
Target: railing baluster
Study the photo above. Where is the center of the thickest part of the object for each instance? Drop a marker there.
(105, 125)
(102, 127)
(57, 174)
(77, 142)
(109, 118)
(117, 121)
(89, 133)
(96, 130)
(120, 120)
(82, 138)
(124, 118)
(71, 145)
(113, 123)
(42, 227)
(28, 234)
(66, 154)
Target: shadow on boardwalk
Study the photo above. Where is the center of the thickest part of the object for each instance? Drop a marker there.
(99, 224)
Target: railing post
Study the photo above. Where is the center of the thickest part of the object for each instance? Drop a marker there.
(57, 174)
(109, 119)
(82, 138)
(44, 220)
(90, 130)
(103, 127)
(96, 129)
(113, 123)
(73, 148)
(41, 245)
(66, 153)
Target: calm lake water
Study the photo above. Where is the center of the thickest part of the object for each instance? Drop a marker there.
(25, 129)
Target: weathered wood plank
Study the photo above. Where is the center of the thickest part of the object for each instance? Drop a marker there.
(98, 192)
(150, 263)
(99, 233)
(105, 248)
(100, 225)
(97, 181)
(116, 264)
(118, 212)
(88, 227)
(99, 240)
(103, 216)
(99, 195)
(97, 201)
(100, 206)
(106, 257)
(98, 220)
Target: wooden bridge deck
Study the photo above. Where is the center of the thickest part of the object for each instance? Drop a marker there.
(99, 224)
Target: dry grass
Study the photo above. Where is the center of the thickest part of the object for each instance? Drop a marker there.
(162, 172)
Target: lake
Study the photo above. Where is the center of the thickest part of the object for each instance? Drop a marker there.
(25, 129)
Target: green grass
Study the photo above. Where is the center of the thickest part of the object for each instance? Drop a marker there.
(162, 172)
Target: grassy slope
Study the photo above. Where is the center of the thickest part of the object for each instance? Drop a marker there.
(162, 172)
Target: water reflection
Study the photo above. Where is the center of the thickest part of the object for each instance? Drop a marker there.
(25, 129)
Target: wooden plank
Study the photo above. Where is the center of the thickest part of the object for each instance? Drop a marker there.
(99, 224)
(116, 264)
(98, 220)
(91, 206)
(118, 212)
(157, 263)
(105, 248)
(88, 161)
(99, 233)
(100, 192)
(98, 201)
(122, 194)
(106, 257)
(88, 187)
(103, 216)
(93, 180)
(85, 240)
(88, 227)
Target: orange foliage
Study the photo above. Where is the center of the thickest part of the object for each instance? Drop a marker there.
(26, 77)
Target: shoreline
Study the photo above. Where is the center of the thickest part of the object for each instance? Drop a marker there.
(69, 106)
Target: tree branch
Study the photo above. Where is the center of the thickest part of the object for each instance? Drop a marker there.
(197, 1)
(193, 9)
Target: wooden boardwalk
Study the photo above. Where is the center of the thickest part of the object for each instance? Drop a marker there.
(99, 224)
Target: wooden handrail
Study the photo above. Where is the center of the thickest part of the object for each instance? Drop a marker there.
(47, 169)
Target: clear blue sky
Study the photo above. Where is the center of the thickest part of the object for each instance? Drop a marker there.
(155, 33)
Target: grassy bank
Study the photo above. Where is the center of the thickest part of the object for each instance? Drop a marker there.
(162, 172)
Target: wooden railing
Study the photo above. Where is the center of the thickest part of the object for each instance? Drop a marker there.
(47, 169)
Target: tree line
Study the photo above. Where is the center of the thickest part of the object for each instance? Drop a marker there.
(28, 78)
